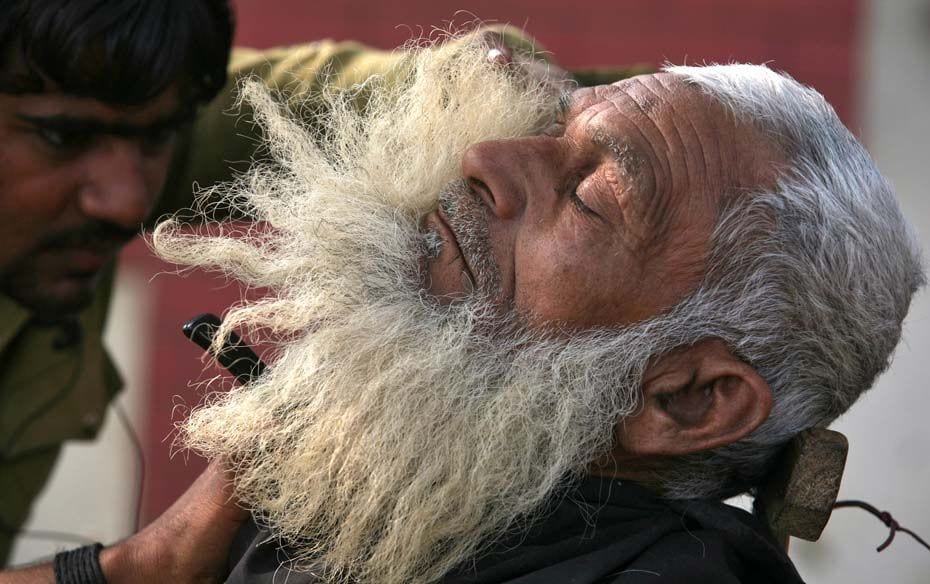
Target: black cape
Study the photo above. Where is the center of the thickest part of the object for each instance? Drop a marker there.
(600, 532)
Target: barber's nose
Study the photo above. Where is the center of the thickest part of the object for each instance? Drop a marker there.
(116, 188)
(504, 172)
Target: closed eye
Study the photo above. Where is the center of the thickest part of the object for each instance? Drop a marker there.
(579, 204)
(582, 191)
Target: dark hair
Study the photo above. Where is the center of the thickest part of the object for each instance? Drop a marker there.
(123, 52)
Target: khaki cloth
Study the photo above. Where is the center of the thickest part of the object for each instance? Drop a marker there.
(55, 384)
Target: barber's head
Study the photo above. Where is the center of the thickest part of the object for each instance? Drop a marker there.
(482, 290)
(92, 94)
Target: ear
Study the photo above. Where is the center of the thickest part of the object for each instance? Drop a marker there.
(696, 398)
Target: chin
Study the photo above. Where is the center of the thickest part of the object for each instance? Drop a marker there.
(56, 301)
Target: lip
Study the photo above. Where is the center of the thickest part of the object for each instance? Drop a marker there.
(438, 220)
(84, 260)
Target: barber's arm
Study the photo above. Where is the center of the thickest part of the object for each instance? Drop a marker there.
(223, 140)
(188, 543)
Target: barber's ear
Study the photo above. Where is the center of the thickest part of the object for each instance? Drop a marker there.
(696, 398)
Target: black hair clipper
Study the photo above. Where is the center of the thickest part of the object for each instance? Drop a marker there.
(237, 357)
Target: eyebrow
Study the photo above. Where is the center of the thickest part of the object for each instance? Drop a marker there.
(623, 155)
(657, 207)
(91, 127)
(565, 103)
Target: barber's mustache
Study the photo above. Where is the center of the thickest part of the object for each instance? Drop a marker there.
(95, 235)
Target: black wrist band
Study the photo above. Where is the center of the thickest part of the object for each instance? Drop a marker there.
(79, 566)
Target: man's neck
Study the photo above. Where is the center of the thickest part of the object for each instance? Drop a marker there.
(641, 470)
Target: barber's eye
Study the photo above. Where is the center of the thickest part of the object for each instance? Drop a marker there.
(157, 139)
(60, 139)
(52, 137)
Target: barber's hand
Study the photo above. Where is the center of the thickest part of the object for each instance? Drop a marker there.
(188, 543)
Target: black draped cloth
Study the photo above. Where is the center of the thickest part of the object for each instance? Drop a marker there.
(602, 531)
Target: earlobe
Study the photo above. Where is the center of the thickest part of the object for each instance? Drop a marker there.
(697, 398)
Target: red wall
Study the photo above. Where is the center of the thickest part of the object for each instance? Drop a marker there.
(815, 41)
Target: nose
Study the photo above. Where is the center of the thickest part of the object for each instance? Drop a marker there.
(115, 185)
(506, 172)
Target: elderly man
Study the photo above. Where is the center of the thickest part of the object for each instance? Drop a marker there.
(103, 126)
(617, 309)
(529, 339)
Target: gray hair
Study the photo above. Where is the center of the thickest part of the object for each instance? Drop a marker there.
(808, 283)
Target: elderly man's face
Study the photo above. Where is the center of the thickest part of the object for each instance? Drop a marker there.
(604, 220)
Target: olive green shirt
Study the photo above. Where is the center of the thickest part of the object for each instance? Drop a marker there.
(55, 384)
(54, 389)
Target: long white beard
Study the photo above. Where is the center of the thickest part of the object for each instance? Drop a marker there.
(393, 437)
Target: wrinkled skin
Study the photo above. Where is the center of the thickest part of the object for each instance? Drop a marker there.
(606, 219)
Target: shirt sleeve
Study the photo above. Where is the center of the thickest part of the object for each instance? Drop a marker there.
(223, 141)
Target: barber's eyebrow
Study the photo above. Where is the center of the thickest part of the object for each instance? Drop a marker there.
(91, 126)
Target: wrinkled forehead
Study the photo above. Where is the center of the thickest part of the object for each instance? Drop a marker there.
(684, 155)
(687, 136)
(659, 98)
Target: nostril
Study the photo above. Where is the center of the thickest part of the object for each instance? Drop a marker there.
(482, 190)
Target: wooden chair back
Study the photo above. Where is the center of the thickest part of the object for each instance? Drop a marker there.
(798, 499)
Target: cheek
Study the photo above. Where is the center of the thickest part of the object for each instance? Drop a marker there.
(579, 282)
(155, 169)
(557, 282)
(35, 195)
